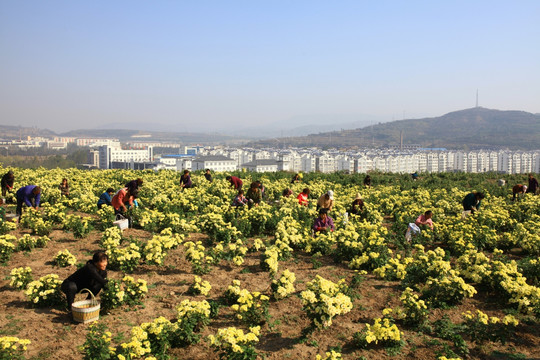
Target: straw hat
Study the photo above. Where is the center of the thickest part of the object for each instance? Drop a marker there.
(358, 197)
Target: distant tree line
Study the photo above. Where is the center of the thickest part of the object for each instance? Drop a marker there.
(71, 157)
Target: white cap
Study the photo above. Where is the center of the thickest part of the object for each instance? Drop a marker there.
(330, 193)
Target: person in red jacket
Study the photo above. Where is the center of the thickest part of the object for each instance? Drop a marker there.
(235, 182)
(120, 199)
(303, 197)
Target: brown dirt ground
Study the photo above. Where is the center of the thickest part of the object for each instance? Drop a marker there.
(54, 336)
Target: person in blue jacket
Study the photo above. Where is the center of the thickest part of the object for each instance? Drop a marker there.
(105, 198)
(26, 195)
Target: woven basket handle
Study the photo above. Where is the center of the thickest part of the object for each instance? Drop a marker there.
(119, 217)
(93, 297)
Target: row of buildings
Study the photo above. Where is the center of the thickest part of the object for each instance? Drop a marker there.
(226, 159)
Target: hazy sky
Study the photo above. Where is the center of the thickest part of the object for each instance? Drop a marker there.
(210, 64)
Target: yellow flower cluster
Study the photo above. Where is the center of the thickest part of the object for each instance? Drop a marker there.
(138, 346)
(80, 226)
(414, 310)
(125, 259)
(251, 308)
(188, 308)
(45, 291)
(323, 300)
(195, 253)
(506, 277)
(232, 340)
(290, 232)
(20, 277)
(27, 242)
(155, 249)
(200, 287)
(12, 347)
(64, 258)
(111, 238)
(213, 224)
(135, 290)
(394, 269)
(382, 330)
(449, 289)
(483, 318)
(330, 355)
(284, 286)
(233, 291)
(474, 265)
(269, 260)
(6, 247)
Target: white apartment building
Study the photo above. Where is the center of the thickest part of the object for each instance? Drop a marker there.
(261, 165)
(309, 163)
(108, 154)
(325, 164)
(97, 142)
(472, 162)
(345, 163)
(214, 163)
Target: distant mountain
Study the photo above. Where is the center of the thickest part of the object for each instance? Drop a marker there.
(10, 132)
(134, 135)
(470, 128)
(302, 125)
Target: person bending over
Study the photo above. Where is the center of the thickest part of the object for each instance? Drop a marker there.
(92, 276)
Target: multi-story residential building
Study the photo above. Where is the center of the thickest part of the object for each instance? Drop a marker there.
(214, 163)
(108, 155)
(261, 165)
(97, 142)
(308, 163)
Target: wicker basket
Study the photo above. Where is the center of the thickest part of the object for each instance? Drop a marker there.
(86, 311)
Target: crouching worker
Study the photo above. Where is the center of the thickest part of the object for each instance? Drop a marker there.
(105, 198)
(91, 276)
(323, 223)
(26, 196)
(518, 190)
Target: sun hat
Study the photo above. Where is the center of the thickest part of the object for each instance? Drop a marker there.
(358, 197)
(524, 188)
(330, 193)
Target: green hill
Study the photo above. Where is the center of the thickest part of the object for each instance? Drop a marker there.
(470, 128)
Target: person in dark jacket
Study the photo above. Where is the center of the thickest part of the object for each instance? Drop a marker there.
(367, 181)
(296, 178)
(472, 201)
(7, 182)
(235, 182)
(533, 185)
(26, 195)
(92, 276)
(254, 195)
(105, 198)
(357, 205)
(207, 175)
(185, 180)
(134, 184)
